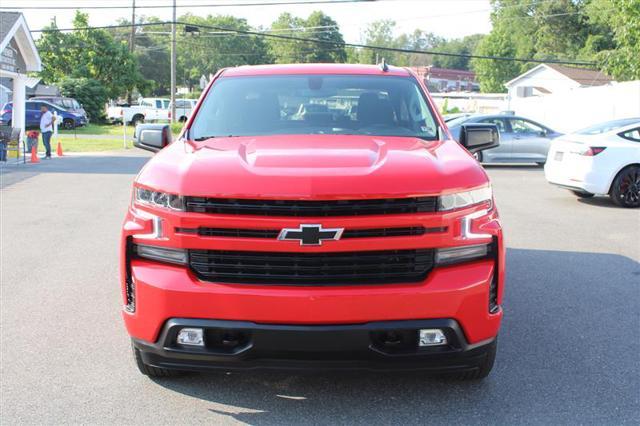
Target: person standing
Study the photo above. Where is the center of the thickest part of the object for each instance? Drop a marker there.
(46, 128)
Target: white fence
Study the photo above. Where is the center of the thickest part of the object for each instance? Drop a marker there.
(484, 103)
(581, 107)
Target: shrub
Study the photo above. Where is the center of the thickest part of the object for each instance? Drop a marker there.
(89, 92)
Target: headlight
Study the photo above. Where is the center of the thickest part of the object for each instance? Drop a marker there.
(465, 199)
(447, 256)
(162, 254)
(159, 199)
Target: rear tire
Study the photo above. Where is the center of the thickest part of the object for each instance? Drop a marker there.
(625, 190)
(150, 371)
(68, 124)
(482, 371)
(582, 194)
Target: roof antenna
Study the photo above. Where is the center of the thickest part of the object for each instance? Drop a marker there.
(383, 66)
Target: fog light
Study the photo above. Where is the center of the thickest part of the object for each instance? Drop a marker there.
(432, 337)
(191, 336)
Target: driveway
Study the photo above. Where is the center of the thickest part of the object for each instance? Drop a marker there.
(568, 348)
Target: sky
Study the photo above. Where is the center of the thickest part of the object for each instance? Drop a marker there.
(445, 18)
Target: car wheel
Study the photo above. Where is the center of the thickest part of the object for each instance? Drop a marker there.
(583, 194)
(68, 124)
(478, 156)
(137, 119)
(182, 119)
(625, 190)
(150, 371)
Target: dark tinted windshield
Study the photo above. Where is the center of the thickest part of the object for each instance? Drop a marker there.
(314, 104)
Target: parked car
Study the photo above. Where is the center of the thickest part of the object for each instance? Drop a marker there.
(183, 111)
(134, 114)
(600, 160)
(69, 104)
(521, 140)
(261, 240)
(67, 120)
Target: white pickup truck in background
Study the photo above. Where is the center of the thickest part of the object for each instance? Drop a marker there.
(135, 114)
(183, 111)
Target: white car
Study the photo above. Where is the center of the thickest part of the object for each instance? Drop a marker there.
(135, 114)
(600, 160)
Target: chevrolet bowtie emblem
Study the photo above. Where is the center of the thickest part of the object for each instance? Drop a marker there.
(310, 235)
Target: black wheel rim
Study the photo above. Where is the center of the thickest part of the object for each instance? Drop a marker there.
(630, 187)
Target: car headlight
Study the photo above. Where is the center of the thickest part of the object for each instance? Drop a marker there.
(162, 254)
(159, 199)
(465, 199)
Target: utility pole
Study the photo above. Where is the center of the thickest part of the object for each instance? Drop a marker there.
(173, 64)
(132, 38)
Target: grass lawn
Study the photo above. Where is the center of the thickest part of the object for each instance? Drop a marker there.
(69, 144)
(109, 129)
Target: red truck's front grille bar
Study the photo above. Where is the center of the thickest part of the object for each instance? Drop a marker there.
(312, 269)
(306, 208)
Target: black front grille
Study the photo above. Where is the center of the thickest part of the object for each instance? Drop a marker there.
(300, 208)
(348, 233)
(367, 267)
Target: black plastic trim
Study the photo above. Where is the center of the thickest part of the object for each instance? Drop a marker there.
(354, 346)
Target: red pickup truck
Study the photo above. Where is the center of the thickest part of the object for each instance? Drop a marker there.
(313, 216)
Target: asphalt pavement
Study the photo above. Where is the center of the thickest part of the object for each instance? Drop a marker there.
(568, 354)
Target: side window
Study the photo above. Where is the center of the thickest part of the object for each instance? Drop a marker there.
(165, 104)
(502, 128)
(159, 104)
(632, 135)
(524, 127)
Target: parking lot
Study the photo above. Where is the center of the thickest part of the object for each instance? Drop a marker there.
(568, 350)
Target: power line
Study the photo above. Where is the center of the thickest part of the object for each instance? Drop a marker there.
(335, 43)
(198, 5)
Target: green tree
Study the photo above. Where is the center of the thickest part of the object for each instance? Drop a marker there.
(622, 61)
(209, 49)
(92, 54)
(465, 46)
(379, 33)
(89, 92)
(317, 26)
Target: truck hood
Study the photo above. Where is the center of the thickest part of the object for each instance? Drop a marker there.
(312, 167)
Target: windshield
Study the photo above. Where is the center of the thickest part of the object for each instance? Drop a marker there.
(607, 126)
(314, 104)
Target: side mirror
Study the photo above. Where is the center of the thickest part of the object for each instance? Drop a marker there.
(152, 137)
(478, 137)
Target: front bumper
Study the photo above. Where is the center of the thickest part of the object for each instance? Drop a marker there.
(234, 345)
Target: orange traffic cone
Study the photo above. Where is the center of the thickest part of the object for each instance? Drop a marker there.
(59, 150)
(34, 155)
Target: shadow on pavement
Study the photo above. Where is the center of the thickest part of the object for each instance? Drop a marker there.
(567, 354)
(75, 164)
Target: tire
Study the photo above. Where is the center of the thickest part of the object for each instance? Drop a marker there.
(625, 190)
(482, 371)
(582, 194)
(137, 119)
(478, 156)
(183, 119)
(150, 371)
(68, 124)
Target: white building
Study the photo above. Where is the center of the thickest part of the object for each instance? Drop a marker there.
(18, 56)
(567, 99)
(546, 79)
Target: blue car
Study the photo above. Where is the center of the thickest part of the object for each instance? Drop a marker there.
(67, 120)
